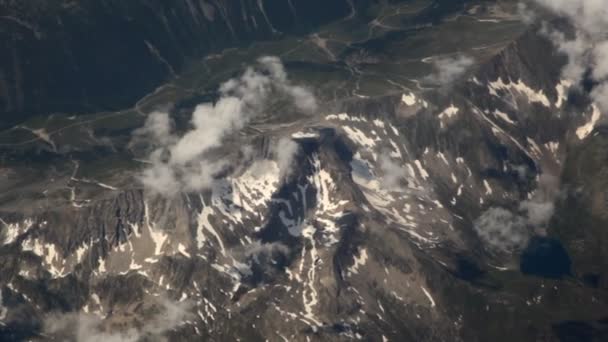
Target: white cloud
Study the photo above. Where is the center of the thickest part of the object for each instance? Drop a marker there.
(506, 231)
(502, 230)
(182, 163)
(160, 178)
(211, 123)
(285, 152)
(302, 98)
(526, 15)
(448, 69)
(540, 208)
(158, 127)
(393, 174)
(588, 48)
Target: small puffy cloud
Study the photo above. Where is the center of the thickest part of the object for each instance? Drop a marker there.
(261, 252)
(259, 261)
(183, 162)
(575, 50)
(527, 16)
(540, 208)
(303, 98)
(285, 152)
(506, 231)
(393, 174)
(502, 230)
(449, 69)
(158, 127)
(537, 213)
(160, 178)
(210, 124)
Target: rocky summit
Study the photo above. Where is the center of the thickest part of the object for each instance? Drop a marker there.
(303, 170)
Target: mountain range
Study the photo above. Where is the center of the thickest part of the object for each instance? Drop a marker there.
(296, 171)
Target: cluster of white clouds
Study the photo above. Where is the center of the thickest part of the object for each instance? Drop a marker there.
(182, 162)
(587, 49)
(506, 231)
(448, 69)
(81, 327)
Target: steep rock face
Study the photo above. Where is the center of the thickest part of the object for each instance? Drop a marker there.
(75, 56)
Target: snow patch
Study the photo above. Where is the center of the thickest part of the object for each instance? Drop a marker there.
(421, 169)
(345, 117)
(13, 230)
(409, 99)
(428, 295)
(204, 224)
(305, 135)
(449, 112)
(562, 92)
(310, 296)
(520, 87)
(488, 187)
(583, 131)
(358, 261)
(504, 116)
(359, 137)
